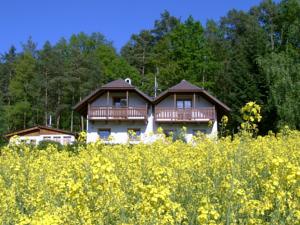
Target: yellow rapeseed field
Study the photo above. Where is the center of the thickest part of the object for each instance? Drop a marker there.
(243, 180)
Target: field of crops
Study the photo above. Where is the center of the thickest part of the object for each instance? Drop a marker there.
(241, 181)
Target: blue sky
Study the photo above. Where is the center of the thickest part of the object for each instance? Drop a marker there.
(116, 19)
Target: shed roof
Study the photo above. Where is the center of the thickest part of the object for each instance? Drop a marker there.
(37, 128)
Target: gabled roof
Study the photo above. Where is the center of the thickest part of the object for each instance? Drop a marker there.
(187, 87)
(120, 84)
(184, 86)
(37, 128)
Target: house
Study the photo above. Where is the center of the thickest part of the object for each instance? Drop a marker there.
(118, 112)
(190, 106)
(35, 135)
(117, 109)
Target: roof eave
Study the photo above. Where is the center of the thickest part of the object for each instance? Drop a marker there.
(82, 104)
(35, 128)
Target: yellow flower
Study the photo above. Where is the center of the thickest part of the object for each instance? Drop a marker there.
(240, 180)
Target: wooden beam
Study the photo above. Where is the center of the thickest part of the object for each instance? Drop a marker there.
(107, 98)
(174, 100)
(127, 99)
(194, 100)
(107, 104)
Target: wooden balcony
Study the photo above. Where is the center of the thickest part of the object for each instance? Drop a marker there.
(170, 114)
(114, 113)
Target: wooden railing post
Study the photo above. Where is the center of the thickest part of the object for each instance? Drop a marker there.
(192, 114)
(160, 113)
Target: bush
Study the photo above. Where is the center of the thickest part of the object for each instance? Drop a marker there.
(45, 143)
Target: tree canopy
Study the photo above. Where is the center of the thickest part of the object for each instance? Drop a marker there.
(245, 56)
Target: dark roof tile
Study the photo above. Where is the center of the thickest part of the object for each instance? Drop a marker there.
(114, 85)
(39, 127)
(184, 86)
(118, 84)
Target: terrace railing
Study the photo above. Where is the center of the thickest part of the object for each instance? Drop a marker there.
(117, 113)
(165, 114)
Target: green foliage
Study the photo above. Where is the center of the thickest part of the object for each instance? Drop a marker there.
(282, 71)
(179, 135)
(24, 89)
(3, 122)
(38, 83)
(251, 116)
(245, 56)
(43, 145)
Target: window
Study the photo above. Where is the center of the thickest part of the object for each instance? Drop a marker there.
(46, 138)
(184, 104)
(196, 132)
(57, 139)
(134, 134)
(104, 134)
(66, 139)
(120, 102)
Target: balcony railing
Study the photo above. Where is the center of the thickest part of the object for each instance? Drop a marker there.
(171, 114)
(114, 113)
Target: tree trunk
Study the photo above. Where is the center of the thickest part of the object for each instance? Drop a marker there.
(72, 113)
(143, 66)
(58, 113)
(57, 121)
(8, 96)
(82, 123)
(272, 38)
(24, 120)
(46, 98)
(37, 117)
(72, 116)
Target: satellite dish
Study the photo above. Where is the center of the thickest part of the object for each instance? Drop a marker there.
(128, 80)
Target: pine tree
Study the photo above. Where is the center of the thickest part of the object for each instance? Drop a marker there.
(24, 89)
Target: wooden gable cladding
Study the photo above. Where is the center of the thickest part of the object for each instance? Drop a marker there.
(53, 132)
(39, 130)
(31, 133)
(182, 88)
(117, 85)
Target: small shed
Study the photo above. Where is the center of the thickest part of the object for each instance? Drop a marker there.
(35, 135)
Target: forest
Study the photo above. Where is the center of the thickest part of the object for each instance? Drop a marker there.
(245, 56)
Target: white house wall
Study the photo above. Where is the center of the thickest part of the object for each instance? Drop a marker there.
(40, 138)
(203, 127)
(119, 130)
